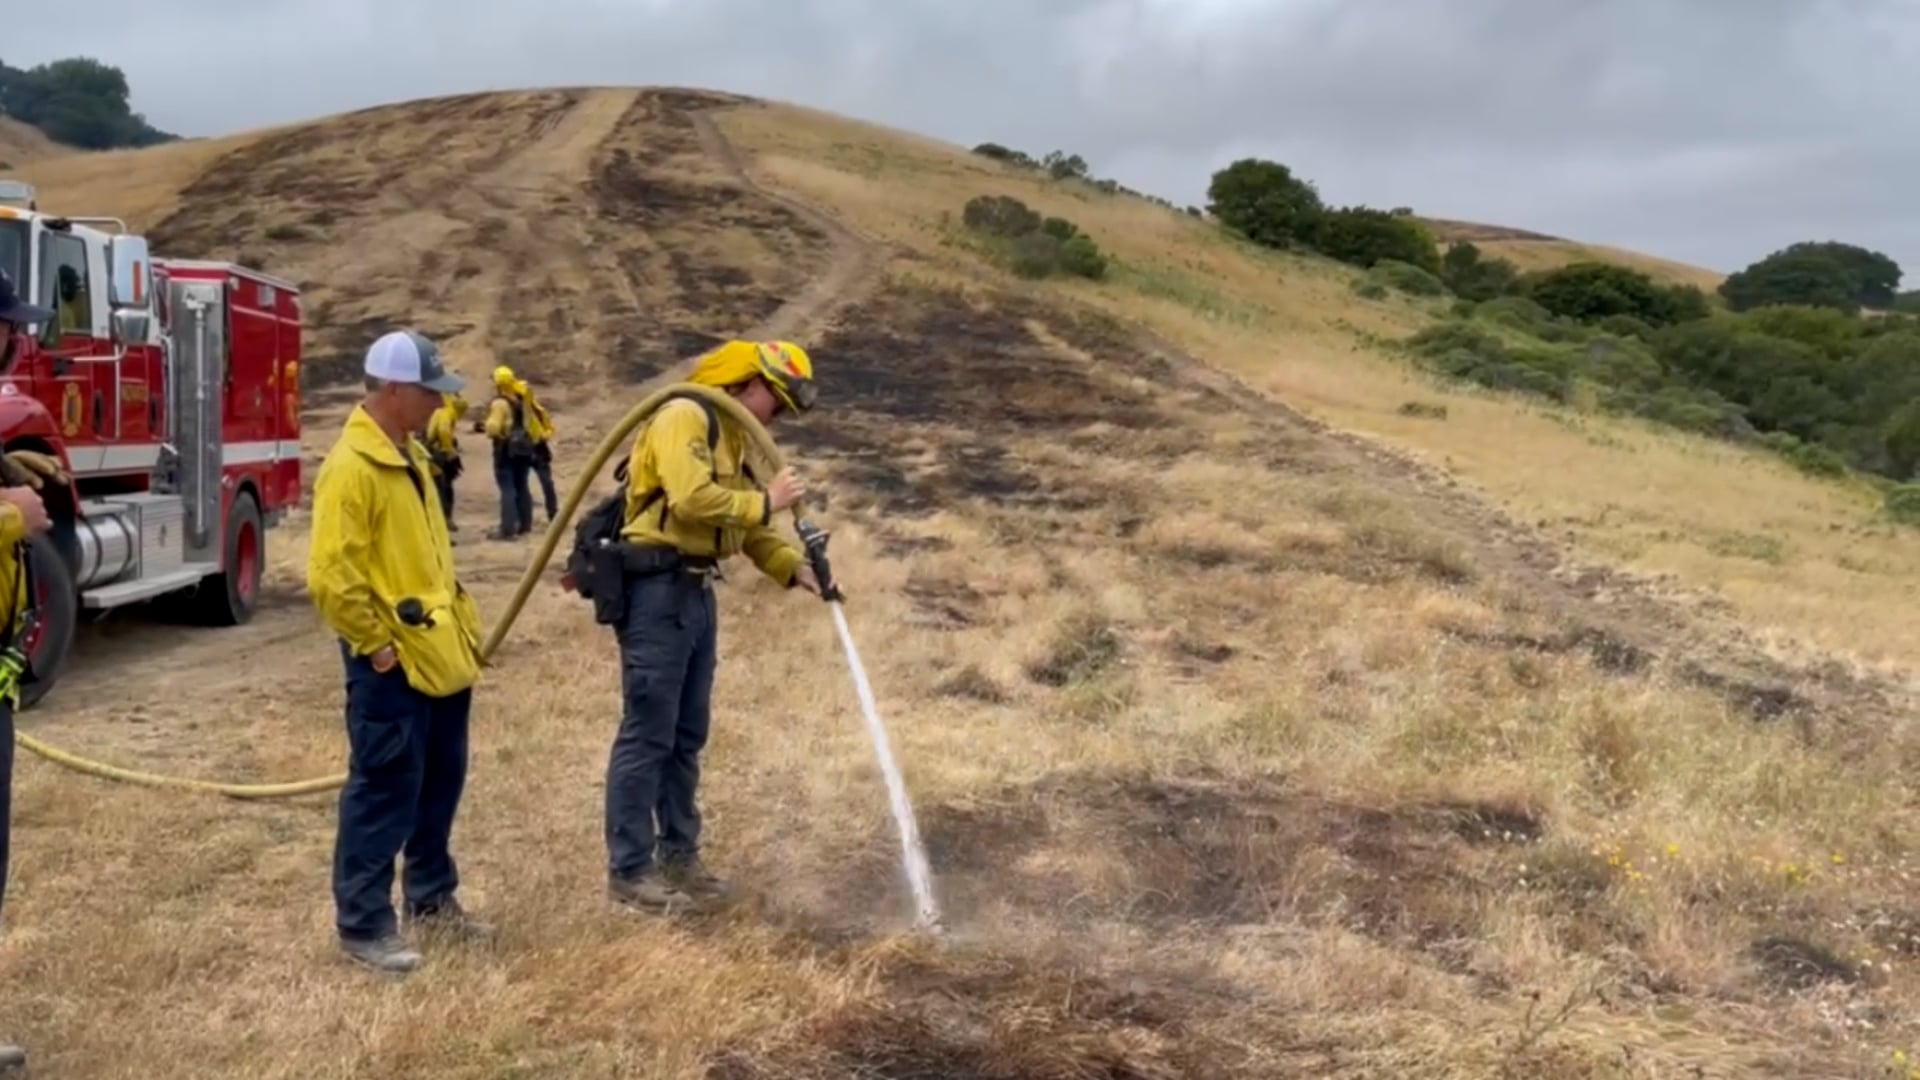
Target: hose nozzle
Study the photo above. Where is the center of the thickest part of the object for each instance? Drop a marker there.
(815, 539)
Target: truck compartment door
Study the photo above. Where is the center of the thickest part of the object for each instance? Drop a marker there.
(196, 363)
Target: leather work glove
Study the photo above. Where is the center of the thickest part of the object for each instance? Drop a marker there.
(31, 468)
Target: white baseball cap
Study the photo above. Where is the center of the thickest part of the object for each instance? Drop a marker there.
(404, 356)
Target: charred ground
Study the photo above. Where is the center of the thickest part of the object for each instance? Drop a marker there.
(570, 246)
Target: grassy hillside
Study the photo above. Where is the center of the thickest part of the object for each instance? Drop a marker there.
(1256, 726)
(21, 144)
(1293, 327)
(1537, 251)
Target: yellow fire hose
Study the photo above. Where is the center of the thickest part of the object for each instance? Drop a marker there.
(615, 438)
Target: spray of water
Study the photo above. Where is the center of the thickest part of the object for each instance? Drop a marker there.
(913, 856)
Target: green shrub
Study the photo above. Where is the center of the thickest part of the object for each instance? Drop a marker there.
(1407, 278)
(1901, 437)
(1032, 246)
(1701, 412)
(1474, 278)
(1000, 215)
(1454, 335)
(1369, 289)
(1036, 255)
(1002, 153)
(1621, 364)
(1619, 375)
(1465, 351)
(1525, 315)
(1517, 312)
(1627, 326)
(1810, 458)
(1903, 503)
(1081, 256)
(1364, 237)
(1591, 291)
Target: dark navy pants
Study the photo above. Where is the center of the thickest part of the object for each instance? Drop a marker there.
(404, 779)
(667, 653)
(6, 795)
(444, 484)
(516, 498)
(542, 469)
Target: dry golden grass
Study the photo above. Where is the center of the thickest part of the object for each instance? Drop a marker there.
(1240, 750)
(1534, 251)
(21, 144)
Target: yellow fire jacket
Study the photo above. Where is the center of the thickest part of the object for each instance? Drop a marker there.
(440, 433)
(380, 537)
(710, 506)
(13, 579)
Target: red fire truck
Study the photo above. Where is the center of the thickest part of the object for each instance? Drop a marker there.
(170, 391)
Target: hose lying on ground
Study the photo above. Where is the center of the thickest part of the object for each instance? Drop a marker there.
(759, 440)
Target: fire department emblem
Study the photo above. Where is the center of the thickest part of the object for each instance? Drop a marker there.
(70, 410)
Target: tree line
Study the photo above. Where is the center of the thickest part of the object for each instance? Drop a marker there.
(80, 102)
(1805, 351)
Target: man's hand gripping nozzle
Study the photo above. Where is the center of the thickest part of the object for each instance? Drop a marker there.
(815, 539)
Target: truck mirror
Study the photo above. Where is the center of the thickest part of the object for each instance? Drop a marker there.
(130, 327)
(132, 275)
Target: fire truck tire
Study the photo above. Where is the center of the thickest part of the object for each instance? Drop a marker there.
(59, 615)
(228, 598)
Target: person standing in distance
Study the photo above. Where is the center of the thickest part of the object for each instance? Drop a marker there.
(516, 432)
(381, 574)
(690, 503)
(443, 450)
(22, 515)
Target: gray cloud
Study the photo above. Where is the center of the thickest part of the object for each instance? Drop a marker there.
(1711, 131)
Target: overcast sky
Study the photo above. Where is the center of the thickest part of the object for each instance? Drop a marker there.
(1710, 131)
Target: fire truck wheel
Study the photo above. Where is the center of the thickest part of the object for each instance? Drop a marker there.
(59, 605)
(228, 598)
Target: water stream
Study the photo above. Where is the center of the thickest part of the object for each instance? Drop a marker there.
(913, 855)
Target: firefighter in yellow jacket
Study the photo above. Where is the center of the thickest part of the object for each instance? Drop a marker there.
(688, 508)
(522, 434)
(443, 450)
(380, 571)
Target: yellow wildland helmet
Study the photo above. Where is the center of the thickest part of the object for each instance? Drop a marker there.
(789, 371)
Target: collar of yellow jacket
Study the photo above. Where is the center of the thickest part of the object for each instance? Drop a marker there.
(369, 441)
